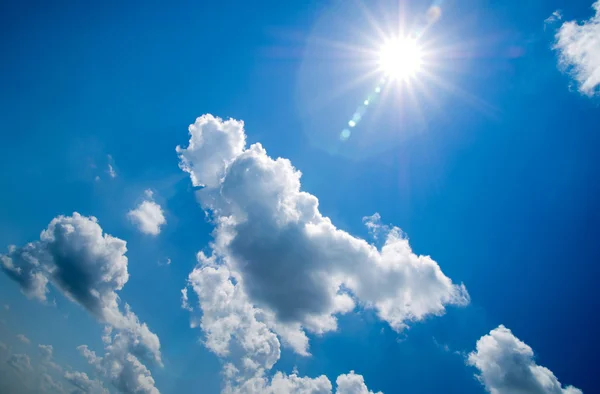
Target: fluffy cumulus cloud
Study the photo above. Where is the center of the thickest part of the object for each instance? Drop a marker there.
(578, 45)
(122, 368)
(89, 267)
(278, 268)
(506, 366)
(281, 383)
(352, 384)
(148, 216)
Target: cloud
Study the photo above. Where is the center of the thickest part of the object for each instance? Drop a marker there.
(22, 266)
(281, 383)
(111, 169)
(6, 307)
(20, 362)
(120, 365)
(27, 377)
(555, 17)
(148, 216)
(578, 45)
(84, 384)
(506, 366)
(289, 260)
(278, 268)
(185, 302)
(352, 384)
(88, 267)
(23, 339)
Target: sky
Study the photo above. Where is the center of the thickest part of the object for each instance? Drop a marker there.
(255, 197)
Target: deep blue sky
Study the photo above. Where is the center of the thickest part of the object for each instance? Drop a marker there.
(499, 183)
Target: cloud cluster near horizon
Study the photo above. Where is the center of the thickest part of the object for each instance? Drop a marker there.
(88, 267)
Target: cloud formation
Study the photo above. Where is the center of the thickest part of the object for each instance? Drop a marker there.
(23, 339)
(578, 45)
(121, 364)
(88, 267)
(506, 366)
(148, 216)
(83, 384)
(279, 268)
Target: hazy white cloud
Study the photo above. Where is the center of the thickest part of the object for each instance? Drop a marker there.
(23, 339)
(83, 384)
(88, 267)
(148, 216)
(111, 171)
(27, 377)
(506, 366)
(46, 357)
(48, 385)
(278, 268)
(555, 17)
(20, 362)
(6, 307)
(111, 167)
(578, 45)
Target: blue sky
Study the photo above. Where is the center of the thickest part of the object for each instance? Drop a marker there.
(486, 160)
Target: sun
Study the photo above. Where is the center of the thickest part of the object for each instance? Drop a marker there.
(400, 58)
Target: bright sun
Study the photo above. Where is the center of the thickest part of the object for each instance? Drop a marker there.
(400, 58)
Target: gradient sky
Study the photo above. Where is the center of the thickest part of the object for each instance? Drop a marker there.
(487, 163)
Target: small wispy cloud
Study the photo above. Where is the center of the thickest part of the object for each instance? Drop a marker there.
(23, 339)
(111, 168)
(555, 17)
(111, 171)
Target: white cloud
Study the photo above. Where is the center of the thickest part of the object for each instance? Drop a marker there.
(281, 383)
(278, 268)
(555, 17)
(111, 169)
(6, 307)
(84, 384)
(352, 384)
(507, 366)
(148, 216)
(46, 357)
(22, 266)
(48, 385)
(578, 45)
(289, 260)
(120, 365)
(23, 339)
(185, 302)
(88, 267)
(20, 362)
